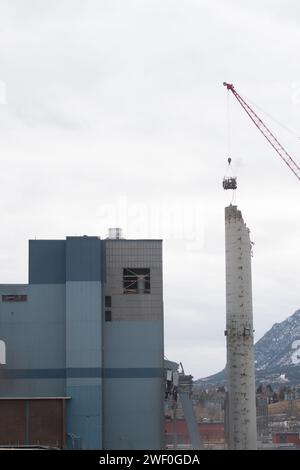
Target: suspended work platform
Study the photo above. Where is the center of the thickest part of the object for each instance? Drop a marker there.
(230, 182)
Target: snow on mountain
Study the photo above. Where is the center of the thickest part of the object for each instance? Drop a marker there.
(280, 346)
(277, 355)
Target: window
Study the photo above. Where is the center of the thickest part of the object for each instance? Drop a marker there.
(2, 352)
(136, 280)
(107, 301)
(107, 315)
(14, 298)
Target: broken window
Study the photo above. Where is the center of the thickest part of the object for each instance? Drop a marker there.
(136, 280)
(107, 301)
(14, 298)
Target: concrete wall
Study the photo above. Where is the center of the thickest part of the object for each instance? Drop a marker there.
(239, 328)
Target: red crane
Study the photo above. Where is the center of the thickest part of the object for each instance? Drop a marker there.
(284, 155)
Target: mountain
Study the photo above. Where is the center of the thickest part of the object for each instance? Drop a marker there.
(277, 355)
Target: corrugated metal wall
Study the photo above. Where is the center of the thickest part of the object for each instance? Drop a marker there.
(55, 341)
(84, 341)
(32, 422)
(133, 350)
(34, 332)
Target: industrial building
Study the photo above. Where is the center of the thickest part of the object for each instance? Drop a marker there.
(239, 333)
(83, 361)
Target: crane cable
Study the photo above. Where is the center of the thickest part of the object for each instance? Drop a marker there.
(229, 140)
(228, 125)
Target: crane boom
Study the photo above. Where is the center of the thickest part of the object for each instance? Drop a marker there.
(284, 155)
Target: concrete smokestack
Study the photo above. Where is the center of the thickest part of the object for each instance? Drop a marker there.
(239, 333)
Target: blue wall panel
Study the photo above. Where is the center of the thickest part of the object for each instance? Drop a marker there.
(133, 411)
(84, 416)
(47, 261)
(55, 348)
(83, 259)
(84, 339)
(34, 332)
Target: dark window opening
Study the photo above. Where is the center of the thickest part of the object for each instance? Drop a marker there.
(136, 280)
(107, 301)
(108, 315)
(14, 298)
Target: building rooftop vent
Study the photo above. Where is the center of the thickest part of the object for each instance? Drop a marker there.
(115, 233)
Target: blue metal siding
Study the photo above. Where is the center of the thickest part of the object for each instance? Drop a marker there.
(82, 373)
(83, 259)
(47, 263)
(133, 417)
(83, 324)
(55, 343)
(133, 344)
(34, 332)
(84, 361)
(84, 416)
(133, 411)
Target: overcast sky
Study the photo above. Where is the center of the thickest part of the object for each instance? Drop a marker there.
(113, 113)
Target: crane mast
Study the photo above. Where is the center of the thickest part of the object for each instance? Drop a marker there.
(284, 155)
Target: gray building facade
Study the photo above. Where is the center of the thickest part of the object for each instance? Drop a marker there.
(88, 328)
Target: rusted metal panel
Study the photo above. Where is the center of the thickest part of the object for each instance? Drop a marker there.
(32, 422)
(12, 422)
(46, 423)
